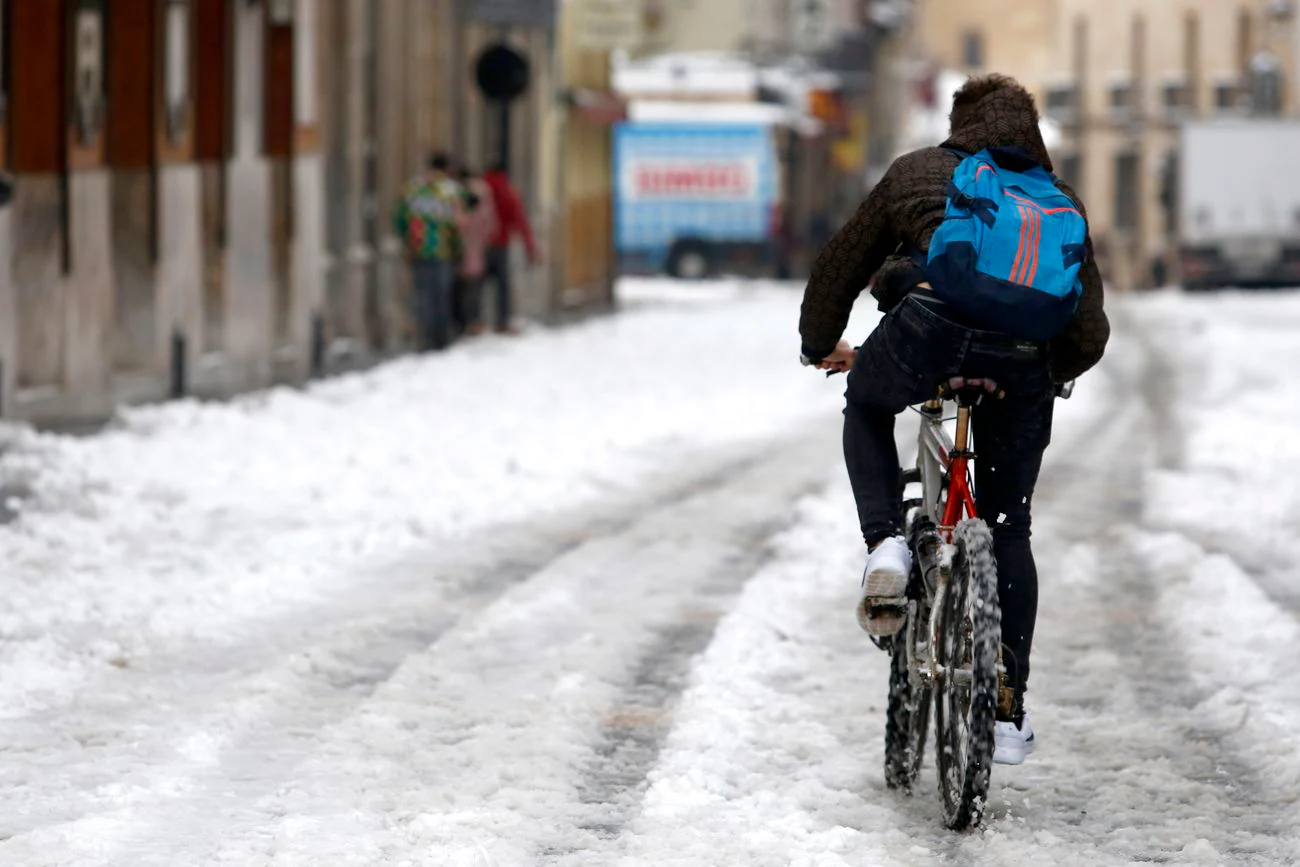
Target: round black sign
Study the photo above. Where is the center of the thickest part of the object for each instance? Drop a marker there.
(501, 72)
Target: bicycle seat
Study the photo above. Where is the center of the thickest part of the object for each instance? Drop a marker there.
(970, 390)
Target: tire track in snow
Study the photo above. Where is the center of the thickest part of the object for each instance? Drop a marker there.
(1164, 386)
(1119, 682)
(234, 714)
(1126, 773)
(633, 733)
(703, 534)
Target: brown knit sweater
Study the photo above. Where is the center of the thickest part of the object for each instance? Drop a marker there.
(902, 212)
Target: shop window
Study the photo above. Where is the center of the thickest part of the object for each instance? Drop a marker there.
(87, 102)
(973, 49)
(1127, 183)
(176, 70)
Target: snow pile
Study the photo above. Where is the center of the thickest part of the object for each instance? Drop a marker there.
(1232, 426)
(1224, 508)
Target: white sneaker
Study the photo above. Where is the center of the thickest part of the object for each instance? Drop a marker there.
(1010, 744)
(883, 605)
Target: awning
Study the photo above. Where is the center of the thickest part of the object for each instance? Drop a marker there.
(596, 106)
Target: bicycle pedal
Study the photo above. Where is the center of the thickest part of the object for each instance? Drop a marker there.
(882, 618)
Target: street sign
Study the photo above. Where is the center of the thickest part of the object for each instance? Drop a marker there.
(513, 13)
(501, 73)
(606, 25)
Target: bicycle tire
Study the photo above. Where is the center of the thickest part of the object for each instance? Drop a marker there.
(907, 723)
(907, 719)
(970, 635)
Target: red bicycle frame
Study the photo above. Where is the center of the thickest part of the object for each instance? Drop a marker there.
(958, 466)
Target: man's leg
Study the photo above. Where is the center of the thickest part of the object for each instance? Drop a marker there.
(473, 304)
(871, 457)
(422, 280)
(1010, 437)
(459, 319)
(440, 314)
(499, 268)
(879, 388)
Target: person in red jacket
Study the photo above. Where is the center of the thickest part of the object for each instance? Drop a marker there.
(511, 220)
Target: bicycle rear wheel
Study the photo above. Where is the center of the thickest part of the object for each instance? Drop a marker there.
(970, 629)
(908, 721)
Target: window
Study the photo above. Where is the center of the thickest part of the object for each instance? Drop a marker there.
(87, 102)
(1062, 100)
(1227, 95)
(1127, 181)
(176, 78)
(4, 64)
(1266, 84)
(1169, 190)
(279, 12)
(1121, 99)
(305, 82)
(1069, 168)
(1175, 96)
(972, 49)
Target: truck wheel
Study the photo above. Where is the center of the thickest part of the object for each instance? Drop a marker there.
(690, 260)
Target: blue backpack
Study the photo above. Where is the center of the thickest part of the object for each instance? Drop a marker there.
(1010, 247)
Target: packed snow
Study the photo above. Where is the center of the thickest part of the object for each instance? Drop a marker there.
(585, 597)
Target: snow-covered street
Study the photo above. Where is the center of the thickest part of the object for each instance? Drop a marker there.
(586, 598)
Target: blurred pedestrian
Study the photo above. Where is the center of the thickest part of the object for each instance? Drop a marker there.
(428, 219)
(479, 225)
(511, 220)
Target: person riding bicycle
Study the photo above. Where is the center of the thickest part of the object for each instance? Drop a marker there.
(930, 333)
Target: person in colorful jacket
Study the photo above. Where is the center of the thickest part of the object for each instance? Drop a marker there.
(428, 218)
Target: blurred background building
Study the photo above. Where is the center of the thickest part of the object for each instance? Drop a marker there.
(1120, 77)
(201, 188)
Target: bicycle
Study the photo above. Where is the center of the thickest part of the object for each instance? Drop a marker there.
(950, 645)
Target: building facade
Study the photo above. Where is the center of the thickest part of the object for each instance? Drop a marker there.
(160, 233)
(201, 188)
(1120, 76)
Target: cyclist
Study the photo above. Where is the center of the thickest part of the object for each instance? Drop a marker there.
(924, 339)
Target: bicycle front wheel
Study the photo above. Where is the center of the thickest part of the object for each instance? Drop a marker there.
(970, 630)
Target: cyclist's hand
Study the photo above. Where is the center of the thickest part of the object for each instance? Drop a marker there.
(839, 361)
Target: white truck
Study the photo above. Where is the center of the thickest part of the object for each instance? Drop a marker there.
(1237, 202)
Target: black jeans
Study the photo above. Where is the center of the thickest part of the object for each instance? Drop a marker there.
(912, 350)
(469, 302)
(498, 271)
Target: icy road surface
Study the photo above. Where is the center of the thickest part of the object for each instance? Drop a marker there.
(585, 598)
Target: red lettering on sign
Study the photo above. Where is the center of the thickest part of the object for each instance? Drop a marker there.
(721, 180)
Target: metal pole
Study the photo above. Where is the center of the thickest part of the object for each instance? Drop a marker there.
(317, 345)
(504, 134)
(178, 384)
